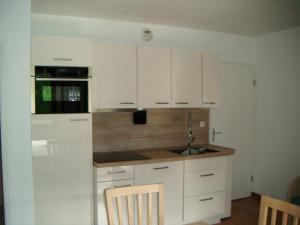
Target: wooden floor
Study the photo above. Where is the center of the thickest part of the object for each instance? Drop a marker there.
(244, 212)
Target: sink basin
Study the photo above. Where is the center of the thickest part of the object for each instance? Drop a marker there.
(194, 151)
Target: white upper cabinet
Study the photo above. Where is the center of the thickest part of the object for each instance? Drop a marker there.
(61, 51)
(211, 63)
(154, 77)
(186, 78)
(114, 76)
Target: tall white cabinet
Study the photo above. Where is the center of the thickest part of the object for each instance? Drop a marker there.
(186, 78)
(62, 169)
(114, 76)
(154, 77)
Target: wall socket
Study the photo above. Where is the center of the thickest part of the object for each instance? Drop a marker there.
(202, 124)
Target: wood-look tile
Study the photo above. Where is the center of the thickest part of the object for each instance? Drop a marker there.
(164, 128)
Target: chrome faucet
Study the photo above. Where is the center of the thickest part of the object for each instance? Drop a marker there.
(190, 138)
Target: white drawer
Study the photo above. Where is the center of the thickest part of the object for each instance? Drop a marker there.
(205, 164)
(199, 207)
(115, 173)
(203, 182)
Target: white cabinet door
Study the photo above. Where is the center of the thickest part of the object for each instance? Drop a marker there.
(100, 205)
(186, 78)
(154, 77)
(114, 76)
(61, 51)
(211, 79)
(171, 175)
(62, 169)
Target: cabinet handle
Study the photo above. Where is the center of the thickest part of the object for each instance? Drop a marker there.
(206, 175)
(116, 172)
(62, 59)
(125, 185)
(127, 103)
(78, 119)
(162, 103)
(206, 199)
(182, 103)
(209, 103)
(161, 168)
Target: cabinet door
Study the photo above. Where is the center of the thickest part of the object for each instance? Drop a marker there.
(171, 175)
(61, 51)
(211, 79)
(186, 78)
(114, 76)
(100, 205)
(62, 169)
(154, 77)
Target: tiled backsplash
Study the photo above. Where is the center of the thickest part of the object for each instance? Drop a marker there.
(115, 131)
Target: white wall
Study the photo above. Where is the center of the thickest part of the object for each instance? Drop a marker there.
(232, 48)
(278, 111)
(15, 111)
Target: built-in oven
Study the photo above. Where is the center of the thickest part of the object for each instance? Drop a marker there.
(61, 90)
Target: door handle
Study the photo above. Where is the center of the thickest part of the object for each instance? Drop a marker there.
(214, 133)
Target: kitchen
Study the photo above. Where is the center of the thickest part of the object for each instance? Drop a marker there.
(166, 38)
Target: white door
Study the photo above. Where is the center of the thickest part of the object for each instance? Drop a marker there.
(235, 118)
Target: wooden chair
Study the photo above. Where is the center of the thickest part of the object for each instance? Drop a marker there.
(117, 194)
(136, 191)
(289, 211)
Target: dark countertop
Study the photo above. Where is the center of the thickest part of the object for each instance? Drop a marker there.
(164, 155)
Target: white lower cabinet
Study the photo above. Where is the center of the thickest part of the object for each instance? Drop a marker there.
(196, 208)
(207, 189)
(195, 190)
(109, 177)
(171, 175)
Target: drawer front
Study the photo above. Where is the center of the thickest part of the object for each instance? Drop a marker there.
(205, 164)
(115, 173)
(203, 182)
(101, 215)
(199, 207)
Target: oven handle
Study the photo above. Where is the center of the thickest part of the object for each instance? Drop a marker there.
(61, 79)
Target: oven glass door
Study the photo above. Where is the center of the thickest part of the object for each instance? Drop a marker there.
(61, 96)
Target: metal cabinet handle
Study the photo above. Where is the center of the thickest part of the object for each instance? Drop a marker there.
(162, 103)
(78, 119)
(125, 185)
(116, 172)
(209, 103)
(127, 103)
(161, 168)
(62, 59)
(206, 199)
(182, 103)
(207, 175)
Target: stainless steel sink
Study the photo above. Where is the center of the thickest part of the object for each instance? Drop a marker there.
(193, 151)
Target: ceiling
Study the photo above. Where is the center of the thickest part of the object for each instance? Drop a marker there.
(244, 17)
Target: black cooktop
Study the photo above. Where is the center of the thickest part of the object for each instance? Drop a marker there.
(117, 156)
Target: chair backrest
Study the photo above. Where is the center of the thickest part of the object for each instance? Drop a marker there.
(135, 192)
(290, 212)
(293, 189)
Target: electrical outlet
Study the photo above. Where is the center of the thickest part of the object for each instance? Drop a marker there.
(202, 124)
